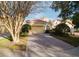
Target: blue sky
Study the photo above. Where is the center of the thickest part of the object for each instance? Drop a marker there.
(46, 11)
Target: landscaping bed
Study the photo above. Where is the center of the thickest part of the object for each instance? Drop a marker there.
(74, 41)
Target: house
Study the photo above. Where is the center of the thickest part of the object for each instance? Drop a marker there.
(36, 22)
(68, 22)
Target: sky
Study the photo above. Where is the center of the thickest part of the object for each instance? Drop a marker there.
(44, 11)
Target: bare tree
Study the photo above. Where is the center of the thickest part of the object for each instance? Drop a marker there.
(12, 15)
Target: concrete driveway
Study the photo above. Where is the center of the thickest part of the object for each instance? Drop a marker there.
(43, 45)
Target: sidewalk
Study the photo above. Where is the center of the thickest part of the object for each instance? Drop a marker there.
(4, 35)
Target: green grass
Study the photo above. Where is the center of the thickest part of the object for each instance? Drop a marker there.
(4, 42)
(74, 41)
(24, 35)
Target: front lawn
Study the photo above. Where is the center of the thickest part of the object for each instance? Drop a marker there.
(4, 43)
(20, 46)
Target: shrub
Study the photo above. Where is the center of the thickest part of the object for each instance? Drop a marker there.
(61, 29)
(47, 31)
(25, 29)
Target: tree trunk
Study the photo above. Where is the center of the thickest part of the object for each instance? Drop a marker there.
(15, 38)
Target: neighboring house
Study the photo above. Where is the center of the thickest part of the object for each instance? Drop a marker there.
(57, 22)
(67, 22)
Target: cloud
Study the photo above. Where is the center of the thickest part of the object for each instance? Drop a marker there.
(46, 11)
